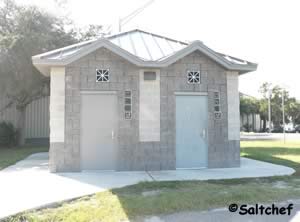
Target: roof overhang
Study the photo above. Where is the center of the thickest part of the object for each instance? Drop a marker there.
(43, 64)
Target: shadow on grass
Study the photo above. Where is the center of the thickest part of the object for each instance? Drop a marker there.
(153, 198)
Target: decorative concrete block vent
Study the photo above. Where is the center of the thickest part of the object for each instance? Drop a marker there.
(141, 101)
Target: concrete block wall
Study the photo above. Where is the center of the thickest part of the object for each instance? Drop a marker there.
(134, 154)
(81, 76)
(221, 151)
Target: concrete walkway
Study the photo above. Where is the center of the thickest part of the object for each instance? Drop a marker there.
(249, 168)
(289, 137)
(28, 184)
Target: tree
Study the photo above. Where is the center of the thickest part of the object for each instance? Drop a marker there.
(263, 112)
(263, 104)
(276, 104)
(26, 31)
(293, 111)
(90, 32)
(291, 108)
(249, 106)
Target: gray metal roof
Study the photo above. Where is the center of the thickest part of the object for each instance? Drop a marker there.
(143, 48)
(144, 45)
(147, 46)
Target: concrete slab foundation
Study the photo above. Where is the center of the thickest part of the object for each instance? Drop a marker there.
(29, 184)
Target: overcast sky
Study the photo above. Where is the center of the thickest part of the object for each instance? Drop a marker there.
(266, 32)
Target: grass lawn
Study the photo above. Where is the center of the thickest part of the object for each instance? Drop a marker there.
(273, 151)
(9, 156)
(153, 198)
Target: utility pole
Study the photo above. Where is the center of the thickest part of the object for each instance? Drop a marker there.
(269, 107)
(283, 119)
(120, 27)
(126, 19)
(284, 88)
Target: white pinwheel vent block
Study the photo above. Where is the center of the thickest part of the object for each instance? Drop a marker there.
(102, 75)
(193, 77)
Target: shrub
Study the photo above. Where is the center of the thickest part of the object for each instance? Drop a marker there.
(8, 134)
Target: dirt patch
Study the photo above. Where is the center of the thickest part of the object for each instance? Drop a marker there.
(151, 193)
(281, 185)
(153, 219)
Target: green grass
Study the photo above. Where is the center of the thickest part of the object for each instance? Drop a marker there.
(273, 151)
(129, 202)
(9, 156)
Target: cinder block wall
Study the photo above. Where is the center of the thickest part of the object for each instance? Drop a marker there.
(221, 151)
(80, 75)
(133, 154)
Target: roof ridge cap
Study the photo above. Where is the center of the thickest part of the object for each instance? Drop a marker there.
(146, 32)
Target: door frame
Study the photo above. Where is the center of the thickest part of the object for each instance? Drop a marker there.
(206, 136)
(92, 92)
(101, 92)
(190, 93)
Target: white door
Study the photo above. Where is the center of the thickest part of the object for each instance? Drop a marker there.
(98, 131)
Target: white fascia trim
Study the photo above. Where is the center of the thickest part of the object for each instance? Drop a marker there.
(197, 45)
(106, 44)
(40, 56)
(89, 49)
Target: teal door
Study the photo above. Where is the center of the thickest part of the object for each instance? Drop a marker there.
(191, 127)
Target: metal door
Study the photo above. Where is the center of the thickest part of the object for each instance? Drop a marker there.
(98, 131)
(191, 130)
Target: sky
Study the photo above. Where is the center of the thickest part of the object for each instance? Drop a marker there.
(266, 32)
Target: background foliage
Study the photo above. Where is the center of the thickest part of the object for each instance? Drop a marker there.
(26, 31)
(250, 105)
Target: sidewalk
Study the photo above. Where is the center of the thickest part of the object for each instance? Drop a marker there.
(28, 184)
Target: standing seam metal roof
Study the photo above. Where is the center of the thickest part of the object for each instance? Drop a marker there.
(144, 45)
(142, 48)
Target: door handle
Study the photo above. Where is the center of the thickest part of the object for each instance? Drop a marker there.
(112, 134)
(204, 133)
